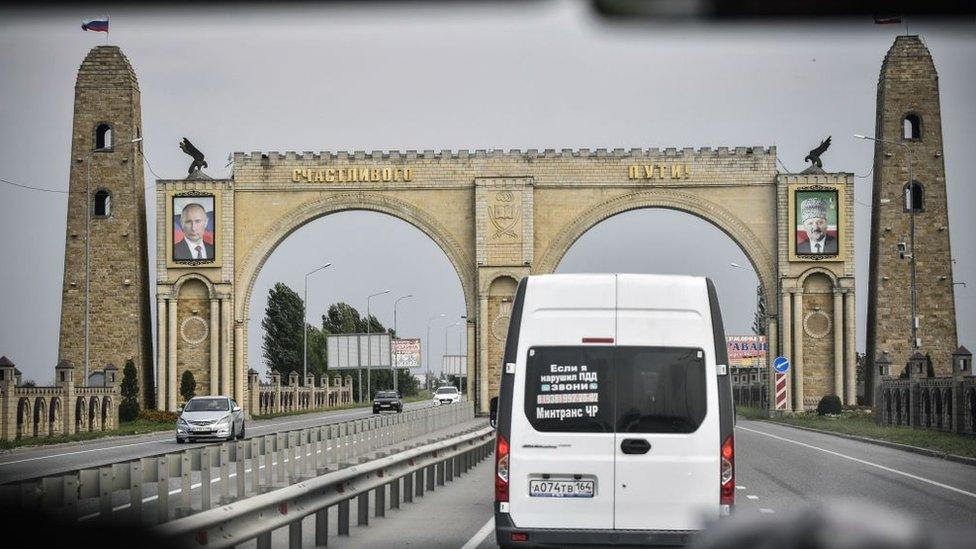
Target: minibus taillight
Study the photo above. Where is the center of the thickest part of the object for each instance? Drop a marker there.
(501, 468)
(727, 493)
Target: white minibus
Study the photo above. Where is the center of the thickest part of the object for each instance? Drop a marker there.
(614, 416)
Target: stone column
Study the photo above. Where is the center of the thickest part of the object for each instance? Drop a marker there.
(469, 338)
(225, 342)
(239, 362)
(161, 339)
(171, 385)
(483, 327)
(839, 344)
(786, 316)
(798, 351)
(850, 363)
(214, 345)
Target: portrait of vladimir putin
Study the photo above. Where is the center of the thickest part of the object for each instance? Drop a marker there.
(194, 222)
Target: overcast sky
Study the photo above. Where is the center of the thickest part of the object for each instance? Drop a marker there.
(510, 76)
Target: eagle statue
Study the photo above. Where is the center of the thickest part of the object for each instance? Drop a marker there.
(814, 155)
(198, 161)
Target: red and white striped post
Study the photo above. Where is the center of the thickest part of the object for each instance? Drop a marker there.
(781, 397)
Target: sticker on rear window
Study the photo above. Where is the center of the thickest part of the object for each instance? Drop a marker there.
(565, 389)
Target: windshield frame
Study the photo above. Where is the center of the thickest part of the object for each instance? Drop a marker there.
(200, 402)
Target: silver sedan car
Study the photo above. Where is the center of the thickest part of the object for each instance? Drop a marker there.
(210, 417)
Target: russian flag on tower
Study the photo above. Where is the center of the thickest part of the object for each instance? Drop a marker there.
(96, 25)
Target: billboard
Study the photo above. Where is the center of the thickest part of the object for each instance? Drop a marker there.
(359, 350)
(406, 353)
(455, 365)
(747, 351)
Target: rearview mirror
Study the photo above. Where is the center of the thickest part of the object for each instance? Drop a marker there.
(236, 409)
(179, 410)
(493, 412)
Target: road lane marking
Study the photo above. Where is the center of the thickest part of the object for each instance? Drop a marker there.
(750, 496)
(767, 511)
(81, 452)
(740, 487)
(163, 439)
(861, 461)
(480, 535)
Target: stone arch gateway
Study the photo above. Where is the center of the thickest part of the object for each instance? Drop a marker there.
(498, 216)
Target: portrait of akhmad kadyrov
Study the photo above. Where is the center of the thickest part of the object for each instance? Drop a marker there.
(813, 235)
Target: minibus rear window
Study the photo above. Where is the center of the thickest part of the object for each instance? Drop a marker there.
(659, 389)
(568, 389)
(615, 389)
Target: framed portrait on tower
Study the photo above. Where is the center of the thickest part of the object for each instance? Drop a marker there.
(192, 229)
(816, 223)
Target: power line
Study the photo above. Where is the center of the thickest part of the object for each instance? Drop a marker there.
(34, 188)
(787, 170)
(57, 191)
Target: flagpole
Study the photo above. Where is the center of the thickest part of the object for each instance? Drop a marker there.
(108, 22)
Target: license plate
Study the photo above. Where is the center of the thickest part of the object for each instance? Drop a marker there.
(561, 488)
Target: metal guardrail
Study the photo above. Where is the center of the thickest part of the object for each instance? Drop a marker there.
(137, 486)
(417, 469)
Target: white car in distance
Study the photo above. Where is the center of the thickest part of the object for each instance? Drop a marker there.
(447, 395)
(210, 417)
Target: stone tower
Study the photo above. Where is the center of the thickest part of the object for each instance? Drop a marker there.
(908, 115)
(107, 118)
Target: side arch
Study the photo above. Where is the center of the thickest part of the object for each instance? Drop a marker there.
(24, 418)
(762, 261)
(178, 285)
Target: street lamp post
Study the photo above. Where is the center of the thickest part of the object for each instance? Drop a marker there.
(397, 333)
(304, 322)
(88, 216)
(462, 332)
(427, 350)
(369, 349)
(911, 233)
(446, 328)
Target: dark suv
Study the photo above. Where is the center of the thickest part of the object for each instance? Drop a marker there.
(388, 401)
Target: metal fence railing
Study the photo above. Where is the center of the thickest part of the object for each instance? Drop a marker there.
(409, 472)
(158, 488)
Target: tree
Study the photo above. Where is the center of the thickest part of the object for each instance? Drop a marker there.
(283, 338)
(317, 352)
(188, 385)
(759, 322)
(129, 407)
(343, 318)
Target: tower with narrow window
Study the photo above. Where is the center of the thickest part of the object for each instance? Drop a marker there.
(910, 222)
(106, 273)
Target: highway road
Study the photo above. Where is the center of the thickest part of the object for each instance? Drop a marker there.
(781, 472)
(37, 461)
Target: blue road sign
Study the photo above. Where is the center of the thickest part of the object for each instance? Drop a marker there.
(781, 364)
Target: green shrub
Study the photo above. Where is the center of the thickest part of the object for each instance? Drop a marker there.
(829, 404)
(188, 385)
(129, 407)
(158, 416)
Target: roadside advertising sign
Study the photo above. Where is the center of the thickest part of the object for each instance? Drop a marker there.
(406, 353)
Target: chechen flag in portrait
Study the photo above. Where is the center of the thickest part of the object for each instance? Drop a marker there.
(95, 25)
